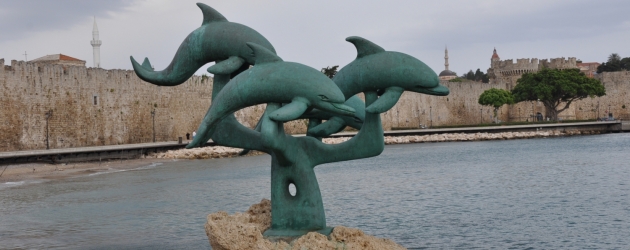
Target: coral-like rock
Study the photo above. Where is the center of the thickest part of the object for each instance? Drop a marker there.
(244, 231)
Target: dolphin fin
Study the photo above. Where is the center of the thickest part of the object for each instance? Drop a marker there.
(289, 112)
(386, 101)
(146, 64)
(210, 14)
(364, 47)
(227, 67)
(262, 54)
(334, 125)
(257, 129)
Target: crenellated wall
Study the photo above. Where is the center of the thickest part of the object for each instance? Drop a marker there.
(122, 113)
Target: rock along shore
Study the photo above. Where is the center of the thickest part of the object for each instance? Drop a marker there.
(244, 231)
(222, 152)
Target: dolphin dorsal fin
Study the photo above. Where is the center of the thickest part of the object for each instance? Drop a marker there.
(262, 54)
(364, 47)
(210, 14)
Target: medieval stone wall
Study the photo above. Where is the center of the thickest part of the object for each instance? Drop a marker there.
(92, 106)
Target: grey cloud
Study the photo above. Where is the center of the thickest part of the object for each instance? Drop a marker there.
(19, 18)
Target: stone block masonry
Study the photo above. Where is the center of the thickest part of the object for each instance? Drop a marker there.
(93, 106)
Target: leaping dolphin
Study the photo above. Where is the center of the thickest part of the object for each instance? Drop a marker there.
(387, 71)
(273, 80)
(216, 39)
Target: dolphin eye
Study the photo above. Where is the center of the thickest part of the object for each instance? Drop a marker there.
(324, 98)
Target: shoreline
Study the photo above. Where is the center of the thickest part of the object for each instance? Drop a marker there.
(14, 174)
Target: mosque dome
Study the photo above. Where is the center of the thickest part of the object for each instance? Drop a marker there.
(447, 73)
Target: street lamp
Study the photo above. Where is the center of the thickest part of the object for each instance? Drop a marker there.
(48, 114)
(431, 116)
(480, 116)
(519, 114)
(153, 117)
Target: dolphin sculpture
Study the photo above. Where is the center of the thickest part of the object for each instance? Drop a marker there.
(388, 72)
(275, 81)
(216, 40)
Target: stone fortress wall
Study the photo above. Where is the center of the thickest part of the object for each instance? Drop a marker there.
(507, 72)
(93, 106)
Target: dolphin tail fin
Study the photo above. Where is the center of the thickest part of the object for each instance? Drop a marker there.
(257, 129)
(210, 14)
(364, 46)
(386, 101)
(227, 67)
(263, 55)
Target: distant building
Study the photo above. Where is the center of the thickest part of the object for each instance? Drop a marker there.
(508, 72)
(59, 59)
(446, 74)
(589, 69)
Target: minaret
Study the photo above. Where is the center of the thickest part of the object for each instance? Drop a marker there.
(96, 45)
(446, 57)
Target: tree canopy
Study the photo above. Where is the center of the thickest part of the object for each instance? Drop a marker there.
(556, 89)
(614, 63)
(330, 71)
(477, 76)
(496, 98)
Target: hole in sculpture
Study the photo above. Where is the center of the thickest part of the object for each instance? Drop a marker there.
(292, 189)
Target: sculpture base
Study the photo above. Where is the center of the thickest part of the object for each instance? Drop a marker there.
(244, 231)
(274, 235)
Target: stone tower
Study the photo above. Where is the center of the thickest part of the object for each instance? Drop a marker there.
(96, 46)
(446, 74)
(446, 58)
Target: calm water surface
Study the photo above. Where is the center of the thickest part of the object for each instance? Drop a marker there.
(557, 193)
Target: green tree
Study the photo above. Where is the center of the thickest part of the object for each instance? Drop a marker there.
(556, 89)
(614, 63)
(496, 98)
(330, 71)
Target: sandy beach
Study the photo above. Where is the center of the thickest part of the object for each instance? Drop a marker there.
(47, 171)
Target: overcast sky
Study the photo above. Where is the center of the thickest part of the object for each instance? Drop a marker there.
(314, 32)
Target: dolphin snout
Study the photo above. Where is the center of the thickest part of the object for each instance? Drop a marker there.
(339, 108)
(439, 90)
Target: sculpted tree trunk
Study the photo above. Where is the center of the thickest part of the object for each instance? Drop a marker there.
(293, 162)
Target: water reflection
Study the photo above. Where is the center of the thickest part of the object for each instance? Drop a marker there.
(539, 193)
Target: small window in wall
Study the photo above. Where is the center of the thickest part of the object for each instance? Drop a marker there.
(95, 97)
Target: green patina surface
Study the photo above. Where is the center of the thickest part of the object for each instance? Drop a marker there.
(292, 91)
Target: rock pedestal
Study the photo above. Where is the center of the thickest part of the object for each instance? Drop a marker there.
(245, 231)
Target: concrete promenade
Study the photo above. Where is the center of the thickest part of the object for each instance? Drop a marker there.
(127, 151)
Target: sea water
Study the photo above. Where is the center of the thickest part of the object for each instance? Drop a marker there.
(553, 193)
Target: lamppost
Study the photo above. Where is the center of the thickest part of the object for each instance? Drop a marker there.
(598, 110)
(431, 116)
(153, 117)
(609, 112)
(481, 116)
(48, 114)
(519, 114)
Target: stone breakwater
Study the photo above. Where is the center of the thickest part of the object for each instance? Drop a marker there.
(222, 152)
(244, 231)
(482, 136)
